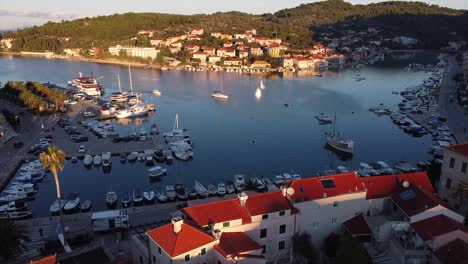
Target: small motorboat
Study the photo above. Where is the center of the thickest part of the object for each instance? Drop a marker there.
(221, 189)
(132, 156)
(201, 190)
(86, 206)
(287, 177)
(97, 159)
(13, 197)
(126, 200)
(212, 190)
(170, 192)
(324, 119)
(168, 154)
(106, 159)
(181, 192)
(16, 215)
(149, 156)
(88, 160)
(74, 159)
(111, 199)
(154, 130)
(141, 157)
(123, 157)
(161, 196)
(149, 196)
(54, 207)
(239, 182)
(230, 187)
(73, 201)
(137, 198)
(13, 206)
(192, 193)
(278, 179)
(157, 92)
(258, 184)
(159, 156)
(156, 171)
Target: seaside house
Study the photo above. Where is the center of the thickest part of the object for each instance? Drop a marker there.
(209, 50)
(216, 34)
(197, 32)
(156, 41)
(148, 32)
(260, 65)
(229, 53)
(335, 60)
(243, 54)
(6, 43)
(256, 51)
(192, 48)
(134, 51)
(454, 169)
(303, 63)
(202, 56)
(227, 44)
(73, 52)
(212, 59)
(287, 62)
(194, 37)
(273, 51)
(226, 36)
(233, 62)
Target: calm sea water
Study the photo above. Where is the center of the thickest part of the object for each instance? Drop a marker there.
(245, 135)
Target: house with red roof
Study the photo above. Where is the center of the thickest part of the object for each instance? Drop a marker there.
(455, 252)
(156, 41)
(213, 59)
(256, 51)
(287, 62)
(192, 48)
(454, 168)
(227, 44)
(209, 50)
(200, 56)
(243, 53)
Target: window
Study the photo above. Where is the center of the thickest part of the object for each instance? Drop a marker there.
(282, 213)
(187, 258)
(263, 232)
(265, 216)
(315, 225)
(335, 204)
(328, 183)
(334, 220)
(282, 229)
(159, 250)
(263, 249)
(226, 224)
(452, 163)
(154, 259)
(281, 245)
(463, 168)
(207, 227)
(448, 183)
(203, 251)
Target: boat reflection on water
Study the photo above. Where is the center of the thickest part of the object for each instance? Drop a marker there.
(343, 156)
(133, 120)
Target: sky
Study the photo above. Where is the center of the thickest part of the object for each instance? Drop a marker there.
(23, 13)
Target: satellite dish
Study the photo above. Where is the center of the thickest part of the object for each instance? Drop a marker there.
(290, 191)
(406, 184)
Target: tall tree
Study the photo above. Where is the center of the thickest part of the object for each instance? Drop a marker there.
(53, 159)
(12, 239)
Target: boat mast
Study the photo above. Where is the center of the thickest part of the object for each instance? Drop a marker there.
(176, 123)
(130, 75)
(118, 79)
(334, 124)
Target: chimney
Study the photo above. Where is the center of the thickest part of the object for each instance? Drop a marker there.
(177, 223)
(217, 234)
(324, 195)
(242, 196)
(284, 189)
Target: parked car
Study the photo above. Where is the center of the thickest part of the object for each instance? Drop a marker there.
(82, 149)
(81, 139)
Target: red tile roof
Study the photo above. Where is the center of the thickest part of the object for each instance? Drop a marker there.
(217, 212)
(383, 186)
(459, 148)
(455, 252)
(175, 244)
(432, 227)
(357, 225)
(47, 260)
(413, 200)
(270, 202)
(235, 243)
(311, 188)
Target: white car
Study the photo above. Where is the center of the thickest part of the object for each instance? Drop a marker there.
(71, 102)
(82, 149)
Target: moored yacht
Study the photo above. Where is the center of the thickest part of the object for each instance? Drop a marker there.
(87, 84)
(73, 201)
(111, 199)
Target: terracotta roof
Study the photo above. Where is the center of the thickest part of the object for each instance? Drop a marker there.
(217, 212)
(383, 186)
(357, 225)
(435, 226)
(455, 252)
(235, 243)
(270, 202)
(313, 188)
(459, 148)
(47, 260)
(414, 200)
(175, 244)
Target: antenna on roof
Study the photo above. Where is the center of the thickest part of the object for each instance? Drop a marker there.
(406, 184)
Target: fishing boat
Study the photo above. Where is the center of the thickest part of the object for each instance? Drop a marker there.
(201, 190)
(339, 144)
(54, 207)
(16, 215)
(86, 206)
(137, 198)
(13, 206)
(181, 192)
(161, 196)
(149, 196)
(126, 200)
(74, 159)
(218, 94)
(239, 182)
(156, 171)
(111, 199)
(97, 159)
(157, 92)
(170, 192)
(73, 201)
(261, 86)
(88, 160)
(221, 189)
(192, 194)
(212, 190)
(132, 156)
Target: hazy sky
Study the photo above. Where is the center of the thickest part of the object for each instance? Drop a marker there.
(21, 13)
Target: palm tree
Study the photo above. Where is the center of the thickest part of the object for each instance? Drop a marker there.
(53, 159)
(12, 239)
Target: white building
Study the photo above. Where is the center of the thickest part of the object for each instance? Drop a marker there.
(6, 43)
(134, 51)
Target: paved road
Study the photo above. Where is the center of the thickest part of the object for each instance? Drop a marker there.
(456, 120)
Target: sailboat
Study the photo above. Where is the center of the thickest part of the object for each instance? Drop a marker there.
(218, 94)
(262, 86)
(133, 110)
(339, 144)
(119, 96)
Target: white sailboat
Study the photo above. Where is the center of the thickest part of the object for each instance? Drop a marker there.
(134, 110)
(218, 94)
(119, 96)
(336, 143)
(262, 86)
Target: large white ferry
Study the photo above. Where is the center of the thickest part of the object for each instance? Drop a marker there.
(87, 84)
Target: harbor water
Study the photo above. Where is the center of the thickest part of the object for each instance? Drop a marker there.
(256, 136)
